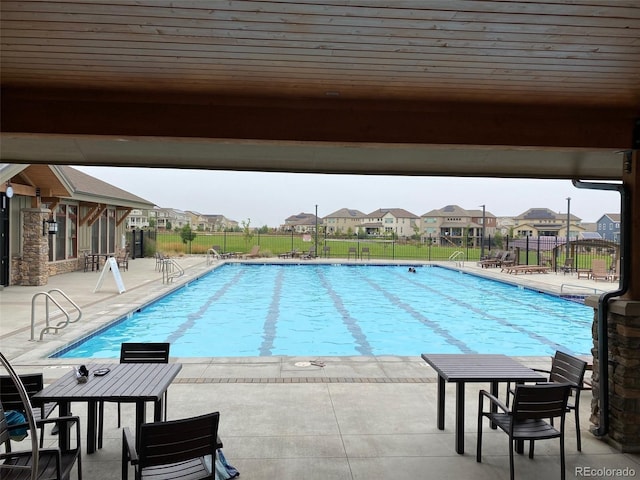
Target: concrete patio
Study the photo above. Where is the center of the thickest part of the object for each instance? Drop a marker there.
(353, 418)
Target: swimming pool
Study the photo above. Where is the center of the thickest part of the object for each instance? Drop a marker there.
(342, 310)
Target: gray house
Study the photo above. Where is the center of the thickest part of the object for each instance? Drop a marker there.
(609, 226)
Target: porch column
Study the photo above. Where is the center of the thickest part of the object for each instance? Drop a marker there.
(35, 247)
(623, 329)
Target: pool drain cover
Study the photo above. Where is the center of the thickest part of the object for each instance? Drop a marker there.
(302, 364)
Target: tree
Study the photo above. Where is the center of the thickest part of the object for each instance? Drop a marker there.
(187, 235)
(247, 233)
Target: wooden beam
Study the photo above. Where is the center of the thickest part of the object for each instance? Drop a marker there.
(121, 214)
(312, 119)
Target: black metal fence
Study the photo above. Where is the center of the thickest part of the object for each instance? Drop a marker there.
(553, 252)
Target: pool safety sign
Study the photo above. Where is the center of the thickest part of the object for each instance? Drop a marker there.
(112, 265)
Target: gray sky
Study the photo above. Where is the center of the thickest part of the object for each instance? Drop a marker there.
(269, 198)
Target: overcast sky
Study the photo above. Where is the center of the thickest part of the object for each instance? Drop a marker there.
(269, 198)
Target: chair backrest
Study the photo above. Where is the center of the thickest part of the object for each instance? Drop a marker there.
(163, 443)
(144, 353)
(352, 249)
(540, 401)
(9, 395)
(567, 369)
(4, 429)
(598, 266)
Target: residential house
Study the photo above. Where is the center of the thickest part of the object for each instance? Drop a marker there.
(543, 222)
(198, 221)
(505, 225)
(390, 221)
(139, 218)
(608, 226)
(453, 225)
(171, 218)
(220, 223)
(301, 223)
(343, 221)
(51, 215)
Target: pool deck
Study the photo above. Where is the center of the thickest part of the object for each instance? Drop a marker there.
(282, 417)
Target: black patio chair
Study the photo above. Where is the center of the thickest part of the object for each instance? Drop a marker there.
(567, 369)
(136, 353)
(176, 449)
(52, 463)
(10, 397)
(533, 405)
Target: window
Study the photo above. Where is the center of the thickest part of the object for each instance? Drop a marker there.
(63, 245)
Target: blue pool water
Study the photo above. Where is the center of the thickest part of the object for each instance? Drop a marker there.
(326, 310)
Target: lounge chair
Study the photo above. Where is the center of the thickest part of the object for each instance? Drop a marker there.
(365, 251)
(310, 254)
(533, 405)
(567, 266)
(599, 270)
(290, 254)
(493, 260)
(254, 253)
(568, 369)
(217, 251)
(177, 449)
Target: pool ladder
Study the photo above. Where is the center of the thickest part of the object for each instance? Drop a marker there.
(171, 270)
(456, 257)
(49, 298)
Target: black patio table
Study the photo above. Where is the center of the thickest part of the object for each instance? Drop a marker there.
(137, 383)
(464, 368)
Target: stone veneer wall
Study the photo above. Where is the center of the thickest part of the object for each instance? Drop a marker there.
(33, 267)
(624, 373)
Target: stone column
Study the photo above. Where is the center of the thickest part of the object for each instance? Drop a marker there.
(624, 374)
(35, 247)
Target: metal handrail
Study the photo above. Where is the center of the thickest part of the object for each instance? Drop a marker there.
(33, 431)
(454, 258)
(168, 273)
(595, 290)
(59, 325)
(212, 255)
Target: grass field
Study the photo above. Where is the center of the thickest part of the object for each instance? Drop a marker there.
(272, 245)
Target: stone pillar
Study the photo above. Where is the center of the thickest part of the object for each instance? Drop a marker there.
(624, 374)
(35, 247)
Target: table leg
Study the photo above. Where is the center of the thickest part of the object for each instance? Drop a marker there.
(91, 427)
(64, 408)
(460, 417)
(157, 410)
(494, 408)
(141, 416)
(441, 387)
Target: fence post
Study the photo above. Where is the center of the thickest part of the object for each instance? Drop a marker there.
(224, 241)
(526, 255)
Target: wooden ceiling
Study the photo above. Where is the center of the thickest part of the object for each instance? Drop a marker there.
(546, 88)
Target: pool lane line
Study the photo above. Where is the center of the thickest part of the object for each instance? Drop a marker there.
(185, 326)
(362, 344)
(271, 321)
(547, 311)
(484, 314)
(434, 326)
